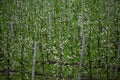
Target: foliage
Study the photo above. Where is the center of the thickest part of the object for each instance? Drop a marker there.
(57, 26)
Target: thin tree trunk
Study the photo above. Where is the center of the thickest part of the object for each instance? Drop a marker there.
(81, 56)
(1, 55)
(116, 45)
(116, 66)
(41, 41)
(61, 46)
(99, 41)
(116, 70)
(22, 64)
(8, 55)
(22, 59)
(8, 44)
(89, 56)
(34, 60)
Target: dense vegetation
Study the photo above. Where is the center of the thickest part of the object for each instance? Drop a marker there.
(59, 39)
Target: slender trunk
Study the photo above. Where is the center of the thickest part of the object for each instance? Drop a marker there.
(22, 60)
(1, 41)
(61, 46)
(8, 55)
(8, 44)
(34, 60)
(81, 56)
(116, 45)
(116, 70)
(99, 41)
(1, 55)
(41, 41)
(107, 64)
(89, 56)
(19, 7)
